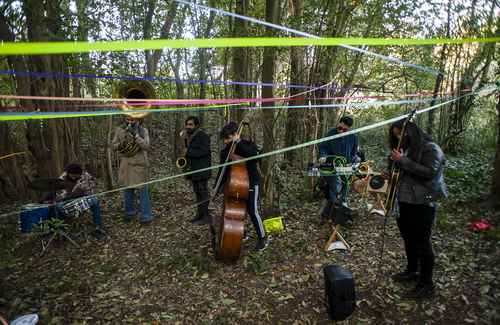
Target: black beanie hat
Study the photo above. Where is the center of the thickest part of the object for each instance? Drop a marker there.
(347, 120)
(228, 129)
(73, 169)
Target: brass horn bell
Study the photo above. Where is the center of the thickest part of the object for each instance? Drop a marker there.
(135, 89)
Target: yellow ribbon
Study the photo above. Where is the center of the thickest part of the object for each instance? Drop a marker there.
(36, 48)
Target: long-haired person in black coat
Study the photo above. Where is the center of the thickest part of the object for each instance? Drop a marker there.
(421, 184)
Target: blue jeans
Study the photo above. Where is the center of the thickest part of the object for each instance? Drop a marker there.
(145, 205)
(336, 187)
(95, 208)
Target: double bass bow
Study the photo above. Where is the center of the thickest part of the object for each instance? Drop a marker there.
(227, 242)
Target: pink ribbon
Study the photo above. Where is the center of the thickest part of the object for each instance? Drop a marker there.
(159, 102)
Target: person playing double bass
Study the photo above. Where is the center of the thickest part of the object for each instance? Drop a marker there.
(245, 149)
(198, 156)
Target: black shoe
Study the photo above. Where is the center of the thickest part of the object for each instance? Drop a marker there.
(98, 234)
(205, 220)
(196, 219)
(327, 210)
(405, 276)
(421, 291)
(262, 244)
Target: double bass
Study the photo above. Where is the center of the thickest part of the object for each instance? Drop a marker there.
(232, 222)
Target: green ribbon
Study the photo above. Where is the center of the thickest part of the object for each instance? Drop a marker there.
(36, 48)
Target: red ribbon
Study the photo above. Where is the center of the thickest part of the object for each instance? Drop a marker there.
(480, 225)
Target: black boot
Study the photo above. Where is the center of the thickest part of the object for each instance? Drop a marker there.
(204, 220)
(196, 219)
(421, 291)
(405, 276)
(327, 210)
(261, 244)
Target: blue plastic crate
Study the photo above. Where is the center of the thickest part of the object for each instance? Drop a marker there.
(31, 215)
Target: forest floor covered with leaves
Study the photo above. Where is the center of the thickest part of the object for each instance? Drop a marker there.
(165, 272)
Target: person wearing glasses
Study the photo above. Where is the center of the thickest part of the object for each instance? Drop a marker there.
(198, 156)
(345, 148)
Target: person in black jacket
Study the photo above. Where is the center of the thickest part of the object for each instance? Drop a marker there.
(245, 148)
(421, 184)
(198, 156)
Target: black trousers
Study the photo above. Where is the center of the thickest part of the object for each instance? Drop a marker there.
(253, 210)
(200, 188)
(415, 225)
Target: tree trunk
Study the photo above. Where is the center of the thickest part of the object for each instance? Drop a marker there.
(203, 61)
(146, 33)
(153, 57)
(46, 139)
(51, 143)
(294, 116)
(269, 57)
(439, 78)
(240, 54)
(179, 87)
(13, 182)
(437, 86)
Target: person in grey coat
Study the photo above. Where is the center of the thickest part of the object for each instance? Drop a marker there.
(134, 167)
(421, 184)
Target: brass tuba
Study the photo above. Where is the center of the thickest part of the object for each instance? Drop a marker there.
(129, 148)
(134, 89)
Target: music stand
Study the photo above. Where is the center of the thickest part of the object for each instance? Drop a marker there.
(341, 218)
(51, 185)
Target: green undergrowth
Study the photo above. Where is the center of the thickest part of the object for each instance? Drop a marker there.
(468, 179)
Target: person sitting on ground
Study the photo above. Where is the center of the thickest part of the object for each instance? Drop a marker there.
(75, 198)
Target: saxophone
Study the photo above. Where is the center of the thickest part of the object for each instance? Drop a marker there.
(181, 162)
